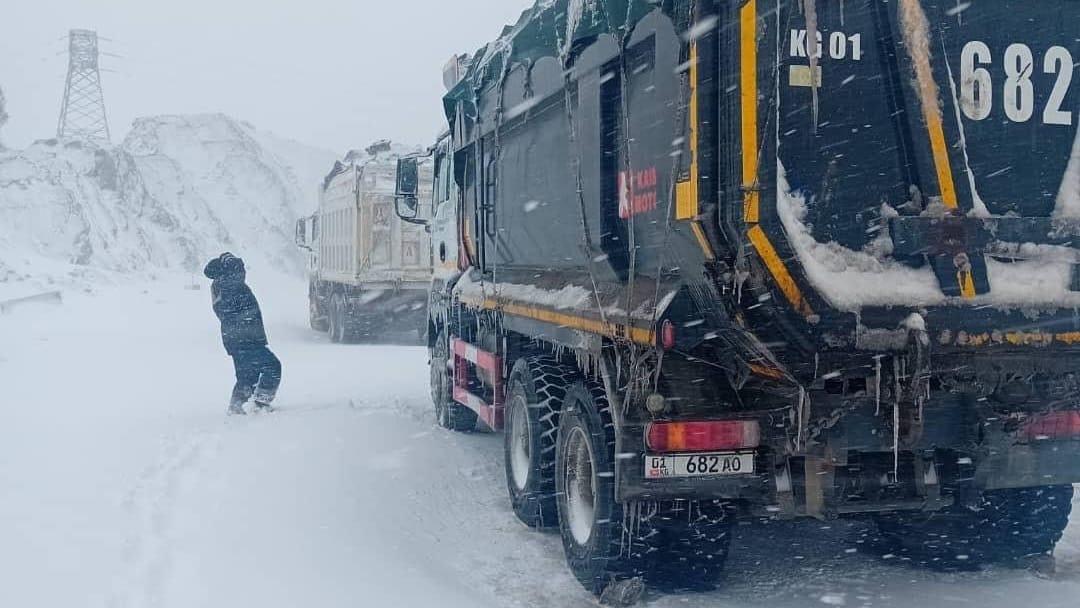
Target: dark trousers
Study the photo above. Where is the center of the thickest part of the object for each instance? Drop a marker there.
(258, 373)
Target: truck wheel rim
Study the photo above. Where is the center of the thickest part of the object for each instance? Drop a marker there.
(580, 486)
(520, 443)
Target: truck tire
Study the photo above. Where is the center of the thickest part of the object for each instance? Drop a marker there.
(318, 322)
(685, 542)
(674, 545)
(344, 326)
(535, 395)
(448, 413)
(337, 318)
(360, 327)
(315, 316)
(590, 519)
(1006, 527)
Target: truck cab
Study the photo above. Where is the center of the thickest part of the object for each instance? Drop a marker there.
(444, 213)
(443, 225)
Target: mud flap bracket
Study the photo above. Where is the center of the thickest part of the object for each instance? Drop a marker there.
(785, 494)
(956, 246)
(928, 484)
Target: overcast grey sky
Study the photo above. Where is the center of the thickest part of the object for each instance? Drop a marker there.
(332, 73)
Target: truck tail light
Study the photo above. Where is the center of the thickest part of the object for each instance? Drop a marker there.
(1055, 425)
(667, 335)
(702, 436)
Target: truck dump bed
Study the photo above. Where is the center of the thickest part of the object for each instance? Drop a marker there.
(361, 240)
(930, 166)
(932, 162)
(885, 209)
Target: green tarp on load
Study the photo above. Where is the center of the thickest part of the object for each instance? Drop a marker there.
(551, 28)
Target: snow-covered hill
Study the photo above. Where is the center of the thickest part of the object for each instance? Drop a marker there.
(178, 190)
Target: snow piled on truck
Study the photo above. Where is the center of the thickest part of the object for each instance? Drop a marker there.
(564, 298)
(647, 306)
(851, 280)
(378, 166)
(1068, 200)
(575, 14)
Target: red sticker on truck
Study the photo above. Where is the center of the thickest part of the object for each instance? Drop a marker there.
(637, 192)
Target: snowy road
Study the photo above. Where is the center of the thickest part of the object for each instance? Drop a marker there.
(123, 485)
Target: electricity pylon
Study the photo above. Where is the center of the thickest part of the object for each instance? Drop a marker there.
(82, 115)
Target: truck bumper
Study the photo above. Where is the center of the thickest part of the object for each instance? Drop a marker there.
(793, 485)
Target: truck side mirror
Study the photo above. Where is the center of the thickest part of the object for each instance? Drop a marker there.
(406, 204)
(301, 234)
(303, 239)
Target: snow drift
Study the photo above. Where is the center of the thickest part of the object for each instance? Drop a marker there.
(178, 190)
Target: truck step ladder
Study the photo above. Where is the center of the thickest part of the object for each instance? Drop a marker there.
(464, 355)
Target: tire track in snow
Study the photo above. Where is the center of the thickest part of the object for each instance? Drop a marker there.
(521, 567)
(151, 508)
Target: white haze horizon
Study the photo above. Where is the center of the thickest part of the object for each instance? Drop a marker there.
(327, 73)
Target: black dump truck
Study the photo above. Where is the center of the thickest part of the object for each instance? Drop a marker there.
(716, 259)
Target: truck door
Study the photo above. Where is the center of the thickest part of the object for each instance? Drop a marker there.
(444, 246)
(471, 182)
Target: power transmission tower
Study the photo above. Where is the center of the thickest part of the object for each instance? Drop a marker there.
(82, 115)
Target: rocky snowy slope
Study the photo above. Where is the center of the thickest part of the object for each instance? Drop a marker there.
(176, 191)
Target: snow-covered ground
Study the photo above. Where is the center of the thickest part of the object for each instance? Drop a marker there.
(122, 483)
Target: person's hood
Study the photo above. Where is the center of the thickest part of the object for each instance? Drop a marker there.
(225, 267)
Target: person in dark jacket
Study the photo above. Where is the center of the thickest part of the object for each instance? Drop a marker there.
(258, 371)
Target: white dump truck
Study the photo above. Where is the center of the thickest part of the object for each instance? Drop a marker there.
(369, 270)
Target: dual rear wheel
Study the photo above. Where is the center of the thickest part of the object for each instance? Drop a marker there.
(344, 323)
(338, 319)
(1007, 527)
(535, 394)
(317, 320)
(560, 470)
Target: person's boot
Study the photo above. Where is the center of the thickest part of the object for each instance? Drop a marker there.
(263, 398)
(236, 409)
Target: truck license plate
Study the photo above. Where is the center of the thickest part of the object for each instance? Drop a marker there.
(698, 465)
